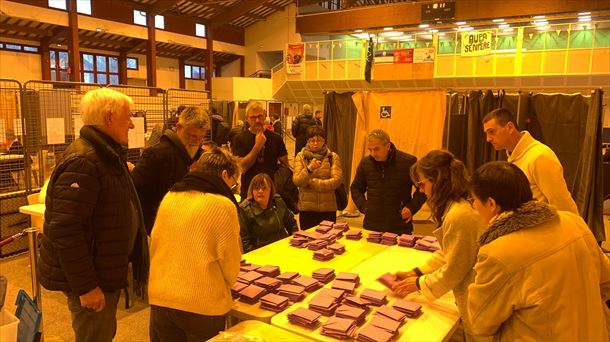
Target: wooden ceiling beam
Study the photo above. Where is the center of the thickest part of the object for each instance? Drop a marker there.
(24, 28)
(235, 11)
(161, 6)
(275, 7)
(255, 16)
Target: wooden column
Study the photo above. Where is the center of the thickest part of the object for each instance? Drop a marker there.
(45, 59)
(151, 52)
(209, 63)
(182, 80)
(242, 66)
(73, 45)
(123, 66)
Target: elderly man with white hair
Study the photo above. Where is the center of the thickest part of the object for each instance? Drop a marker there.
(93, 221)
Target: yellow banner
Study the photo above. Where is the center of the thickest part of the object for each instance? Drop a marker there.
(476, 43)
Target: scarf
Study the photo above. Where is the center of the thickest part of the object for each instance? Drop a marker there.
(530, 214)
(204, 182)
(308, 154)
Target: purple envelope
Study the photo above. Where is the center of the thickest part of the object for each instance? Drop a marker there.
(391, 313)
(326, 223)
(387, 280)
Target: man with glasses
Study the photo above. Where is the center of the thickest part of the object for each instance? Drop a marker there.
(258, 149)
(390, 203)
(167, 162)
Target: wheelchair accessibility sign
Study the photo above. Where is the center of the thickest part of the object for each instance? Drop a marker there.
(385, 112)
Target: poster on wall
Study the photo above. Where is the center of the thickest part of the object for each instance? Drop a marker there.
(136, 135)
(402, 56)
(423, 55)
(476, 43)
(384, 56)
(385, 112)
(295, 54)
(56, 132)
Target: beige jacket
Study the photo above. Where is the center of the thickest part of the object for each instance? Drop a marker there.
(317, 189)
(545, 282)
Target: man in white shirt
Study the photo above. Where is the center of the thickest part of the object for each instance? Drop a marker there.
(536, 160)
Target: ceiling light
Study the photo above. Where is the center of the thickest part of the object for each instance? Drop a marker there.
(465, 28)
(391, 34)
(539, 17)
(99, 29)
(388, 28)
(423, 25)
(542, 28)
(498, 20)
(503, 26)
(442, 34)
(361, 35)
(584, 13)
(540, 22)
(433, 31)
(358, 31)
(460, 23)
(508, 30)
(584, 19)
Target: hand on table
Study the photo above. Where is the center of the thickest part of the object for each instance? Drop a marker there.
(406, 286)
(404, 275)
(93, 299)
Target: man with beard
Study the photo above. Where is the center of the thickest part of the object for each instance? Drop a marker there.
(166, 163)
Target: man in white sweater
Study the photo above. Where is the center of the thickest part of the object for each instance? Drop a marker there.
(535, 159)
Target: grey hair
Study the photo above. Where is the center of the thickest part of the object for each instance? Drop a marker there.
(96, 103)
(306, 108)
(254, 106)
(196, 117)
(379, 134)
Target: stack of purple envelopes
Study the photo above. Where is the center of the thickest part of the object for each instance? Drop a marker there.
(354, 234)
(340, 328)
(298, 241)
(236, 288)
(374, 237)
(249, 277)
(323, 254)
(388, 239)
(251, 294)
(337, 248)
(287, 277)
(268, 283)
(349, 276)
(371, 333)
(391, 313)
(387, 280)
(374, 297)
(406, 240)
(326, 223)
(351, 312)
(273, 302)
(295, 293)
(427, 243)
(356, 302)
(309, 283)
(269, 271)
(346, 286)
(303, 317)
(411, 309)
(248, 267)
(387, 324)
(336, 233)
(335, 293)
(344, 226)
(323, 304)
(323, 275)
(317, 245)
(323, 229)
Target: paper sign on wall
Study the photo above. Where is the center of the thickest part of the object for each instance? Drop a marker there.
(476, 43)
(136, 135)
(78, 124)
(423, 55)
(385, 112)
(56, 131)
(384, 56)
(295, 54)
(403, 56)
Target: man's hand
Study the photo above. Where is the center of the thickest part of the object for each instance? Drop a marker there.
(260, 139)
(314, 164)
(406, 214)
(405, 287)
(93, 299)
(404, 275)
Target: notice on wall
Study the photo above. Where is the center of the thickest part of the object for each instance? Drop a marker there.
(385, 112)
(56, 131)
(78, 124)
(137, 134)
(384, 56)
(423, 55)
(402, 56)
(476, 43)
(295, 54)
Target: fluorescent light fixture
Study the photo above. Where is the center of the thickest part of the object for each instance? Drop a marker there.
(423, 25)
(359, 31)
(99, 29)
(391, 34)
(388, 28)
(433, 31)
(442, 34)
(584, 19)
(539, 17)
(584, 13)
(361, 35)
(498, 20)
(542, 28)
(465, 28)
(503, 26)
(540, 22)
(508, 30)
(460, 23)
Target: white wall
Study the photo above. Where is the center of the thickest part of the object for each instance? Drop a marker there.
(232, 69)
(270, 35)
(241, 88)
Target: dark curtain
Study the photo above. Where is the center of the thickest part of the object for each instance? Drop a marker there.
(571, 126)
(454, 137)
(340, 126)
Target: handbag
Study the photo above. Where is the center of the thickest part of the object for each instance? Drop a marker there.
(340, 192)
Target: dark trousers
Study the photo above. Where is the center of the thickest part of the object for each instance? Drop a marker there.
(308, 219)
(175, 325)
(93, 326)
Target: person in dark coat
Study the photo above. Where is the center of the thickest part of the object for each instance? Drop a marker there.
(166, 163)
(263, 216)
(300, 126)
(93, 221)
(277, 125)
(384, 177)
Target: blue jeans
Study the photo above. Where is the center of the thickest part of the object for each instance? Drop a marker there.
(93, 326)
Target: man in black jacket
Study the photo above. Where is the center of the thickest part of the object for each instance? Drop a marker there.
(300, 126)
(93, 222)
(385, 178)
(166, 163)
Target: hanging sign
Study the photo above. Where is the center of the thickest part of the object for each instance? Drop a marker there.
(295, 54)
(402, 56)
(476, 43)
(385, 112)
(423, 55)
(384, 56)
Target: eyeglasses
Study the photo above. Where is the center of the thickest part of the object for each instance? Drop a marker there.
(235, 184)
(256, 117)
(316, 140)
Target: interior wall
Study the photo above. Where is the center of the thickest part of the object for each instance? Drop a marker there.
(232, 69)
(270, 35)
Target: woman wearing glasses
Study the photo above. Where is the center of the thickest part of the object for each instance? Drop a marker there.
(263, 216)
(443, 179)
(317, 173)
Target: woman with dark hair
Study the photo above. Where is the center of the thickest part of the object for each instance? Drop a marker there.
(540, 275)
(443, 179)
(317, 173)
(263, 215)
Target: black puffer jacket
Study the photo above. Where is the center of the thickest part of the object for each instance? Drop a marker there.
(92, 218)
(388, 189)
(160, 167)
(299, 130)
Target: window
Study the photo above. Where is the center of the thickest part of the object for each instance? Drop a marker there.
(82, 6)
(200, 30)
(59, 65)
(139, 18)
(18, 47)
(194, 72)
(95, 68)
(59, 4)
(132, 63)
